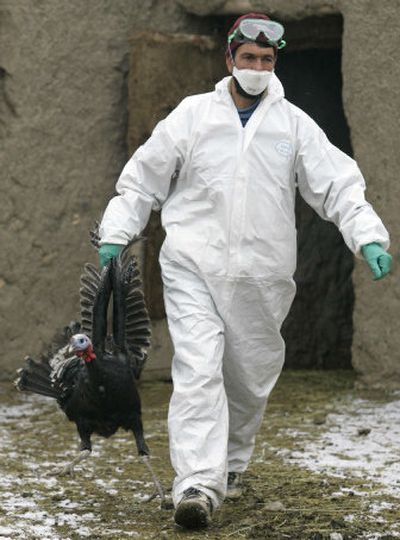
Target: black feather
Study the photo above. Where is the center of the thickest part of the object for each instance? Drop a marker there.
(100, 395)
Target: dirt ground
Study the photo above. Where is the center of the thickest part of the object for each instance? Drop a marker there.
(292, 490)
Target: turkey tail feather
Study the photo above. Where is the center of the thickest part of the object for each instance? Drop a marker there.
(131, 322)
(35, 377)
(94, 297)
(100, 306)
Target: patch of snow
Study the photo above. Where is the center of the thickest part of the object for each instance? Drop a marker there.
(67, 503)
(375, 508)
(105, 484)
(346, 491)
(378, 536)
(5, 530)
(343, 450)
(126, 533)
(84, 531)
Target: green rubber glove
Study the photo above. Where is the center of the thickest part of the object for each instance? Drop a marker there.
(377, 259)
(108, 251)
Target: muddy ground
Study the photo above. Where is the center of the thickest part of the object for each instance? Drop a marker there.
(304, 482)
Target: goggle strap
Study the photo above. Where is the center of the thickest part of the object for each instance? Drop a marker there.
(231, 37)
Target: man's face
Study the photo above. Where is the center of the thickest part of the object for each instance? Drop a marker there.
(252, 56)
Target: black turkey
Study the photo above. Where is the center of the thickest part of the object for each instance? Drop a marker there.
(93, 376)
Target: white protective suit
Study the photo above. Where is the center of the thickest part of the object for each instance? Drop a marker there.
(227, 195)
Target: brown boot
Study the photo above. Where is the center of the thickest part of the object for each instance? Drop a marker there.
(194, 510)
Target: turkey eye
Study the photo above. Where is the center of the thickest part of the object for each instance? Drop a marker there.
(81, 340)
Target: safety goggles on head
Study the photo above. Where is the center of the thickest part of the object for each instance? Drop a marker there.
(250, 29)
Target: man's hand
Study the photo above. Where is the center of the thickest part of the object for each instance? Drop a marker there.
(377, 259)
(108, 251)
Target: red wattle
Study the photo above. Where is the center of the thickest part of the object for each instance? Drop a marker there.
(89, 354)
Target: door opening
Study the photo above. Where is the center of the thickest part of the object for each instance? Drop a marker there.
(319, 328)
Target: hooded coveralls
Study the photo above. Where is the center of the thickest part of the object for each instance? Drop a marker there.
(227, 196)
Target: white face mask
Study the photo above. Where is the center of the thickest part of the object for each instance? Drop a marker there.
(252, 81)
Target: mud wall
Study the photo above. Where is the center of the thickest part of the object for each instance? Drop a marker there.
(63, 123)
(372, 104)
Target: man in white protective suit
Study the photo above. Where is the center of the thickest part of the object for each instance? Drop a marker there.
(223, 168)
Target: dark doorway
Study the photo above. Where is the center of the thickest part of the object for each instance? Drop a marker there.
(319, 328)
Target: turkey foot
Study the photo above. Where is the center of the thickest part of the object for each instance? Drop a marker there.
(159, 491)
(70, 468)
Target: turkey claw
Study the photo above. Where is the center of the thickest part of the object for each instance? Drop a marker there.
(68, 470)
(151, 497)
(164, 505)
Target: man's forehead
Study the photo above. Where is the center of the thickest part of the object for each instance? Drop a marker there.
(255, 48)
